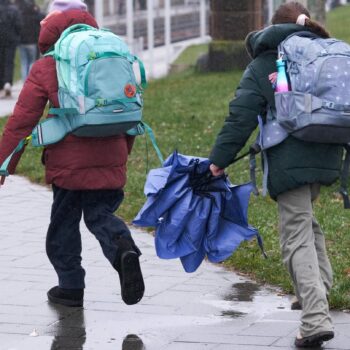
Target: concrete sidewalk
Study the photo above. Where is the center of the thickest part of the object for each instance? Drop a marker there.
(209, 309)
(7, 104)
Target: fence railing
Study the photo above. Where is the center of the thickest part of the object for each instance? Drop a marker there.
(151, 24)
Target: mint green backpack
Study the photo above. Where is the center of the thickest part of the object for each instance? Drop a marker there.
(97, 88)
(98, 92)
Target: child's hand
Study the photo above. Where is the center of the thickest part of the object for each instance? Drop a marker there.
(215, 170)
(273, 79)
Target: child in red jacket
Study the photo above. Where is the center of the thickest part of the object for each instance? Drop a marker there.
(87, 176)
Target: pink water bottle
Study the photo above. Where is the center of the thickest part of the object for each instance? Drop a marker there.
(282, 84)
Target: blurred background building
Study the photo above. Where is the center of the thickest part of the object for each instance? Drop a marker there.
(158, 30)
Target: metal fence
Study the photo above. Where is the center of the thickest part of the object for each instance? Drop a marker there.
(153, 23)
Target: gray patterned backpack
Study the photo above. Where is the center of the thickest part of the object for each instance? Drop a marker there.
(317, 109)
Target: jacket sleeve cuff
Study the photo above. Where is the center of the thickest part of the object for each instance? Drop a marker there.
(221, 158)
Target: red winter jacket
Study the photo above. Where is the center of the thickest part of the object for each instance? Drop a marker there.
(75, 163)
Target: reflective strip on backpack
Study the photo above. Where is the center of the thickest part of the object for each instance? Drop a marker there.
(344, 179)
(100, 102)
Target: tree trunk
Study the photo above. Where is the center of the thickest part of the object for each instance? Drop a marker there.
(230, 22)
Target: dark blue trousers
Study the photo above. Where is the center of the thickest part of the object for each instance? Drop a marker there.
(63, 241)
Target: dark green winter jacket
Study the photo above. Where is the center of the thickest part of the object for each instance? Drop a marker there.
(292, 163)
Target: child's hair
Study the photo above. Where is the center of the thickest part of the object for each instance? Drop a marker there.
(289, 13)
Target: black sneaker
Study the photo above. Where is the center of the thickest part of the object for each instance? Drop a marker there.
(295, 304)
(7, 89)
(66, 297)
(313, 341)
(131, 280)
(129, 270)
(132, 342)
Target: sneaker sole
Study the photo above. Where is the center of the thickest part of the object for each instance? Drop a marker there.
(65, 302)
(132, 285)
(314, 340)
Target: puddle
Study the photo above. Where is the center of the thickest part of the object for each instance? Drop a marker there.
(243, 291)
(233, 314)
(247, 297)
(62, 342)
(69, 329)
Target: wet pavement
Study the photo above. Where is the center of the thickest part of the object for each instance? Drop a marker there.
(211, 309)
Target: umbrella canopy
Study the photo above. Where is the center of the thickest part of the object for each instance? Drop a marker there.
(195, 214)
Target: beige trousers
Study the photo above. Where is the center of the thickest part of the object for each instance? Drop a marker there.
(304, 254)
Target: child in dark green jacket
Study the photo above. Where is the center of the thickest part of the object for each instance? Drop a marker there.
(296, 171)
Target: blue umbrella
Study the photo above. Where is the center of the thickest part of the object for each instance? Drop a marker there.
(195, 214)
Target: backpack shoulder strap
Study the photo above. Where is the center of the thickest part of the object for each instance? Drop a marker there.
(143, 128)
(80, 27)
(303, 34)
(5, 164)
(344, 178)
(51, 52)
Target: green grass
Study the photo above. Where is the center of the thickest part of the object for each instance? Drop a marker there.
(190, 55)
(17, 70)
(186, 112)
(337, 22)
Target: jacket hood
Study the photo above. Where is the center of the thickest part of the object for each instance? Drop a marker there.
(269, 38)
(56, 22)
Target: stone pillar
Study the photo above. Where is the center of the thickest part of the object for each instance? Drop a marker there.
(233, 20)
(230, 22)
